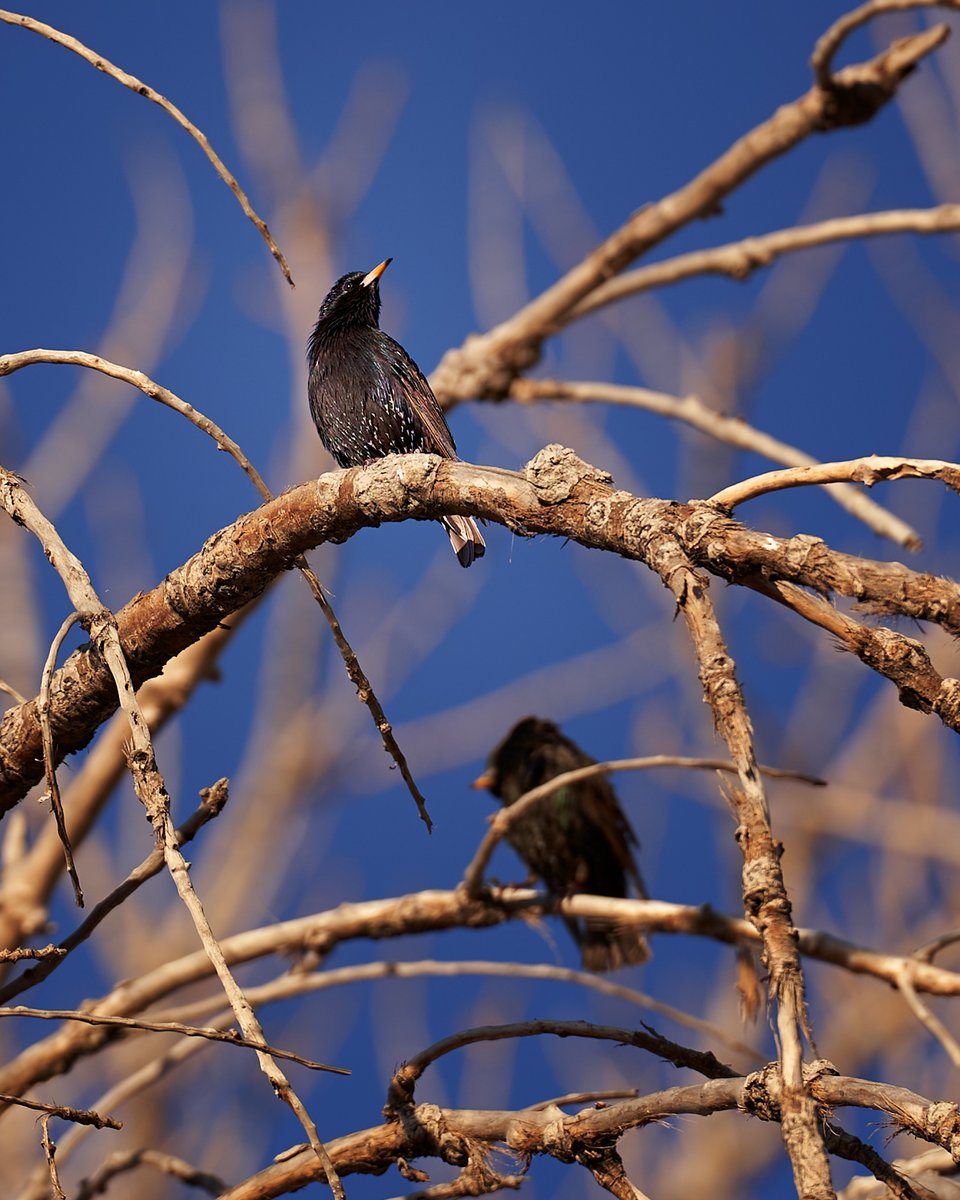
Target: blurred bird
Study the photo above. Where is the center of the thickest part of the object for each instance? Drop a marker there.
(576, 839)
(368, 398)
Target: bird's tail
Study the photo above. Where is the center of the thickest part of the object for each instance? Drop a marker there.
(465, 538)
(607, 947)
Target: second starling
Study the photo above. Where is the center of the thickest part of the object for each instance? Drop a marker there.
(368, 398)
(576, 839)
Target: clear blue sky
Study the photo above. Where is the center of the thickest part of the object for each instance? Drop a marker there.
(598, 110)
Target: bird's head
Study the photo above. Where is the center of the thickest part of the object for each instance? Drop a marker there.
(515, 765)
(354, 298)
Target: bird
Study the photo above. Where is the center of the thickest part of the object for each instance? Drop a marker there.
(576, 839)
(368, 398)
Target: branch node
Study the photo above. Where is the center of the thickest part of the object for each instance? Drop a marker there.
(556, 471)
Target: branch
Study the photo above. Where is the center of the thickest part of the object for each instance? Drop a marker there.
(738, 260)
(473, 876)
(432, 911)
(486, 365)
(122, 1161)
(433, 1131)
(143, 89)
(213, 1035)
(556, 493)
(872, 469)
(9, 363)
(827, 46)
(212, 801)
(733, 431)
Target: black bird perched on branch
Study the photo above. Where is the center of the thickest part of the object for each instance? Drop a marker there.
(576, 839)
(368, 398)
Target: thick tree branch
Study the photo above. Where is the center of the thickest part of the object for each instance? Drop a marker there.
(487, 364)
(436, 1132)
(431, 911)
(556, 494)
(732, 431)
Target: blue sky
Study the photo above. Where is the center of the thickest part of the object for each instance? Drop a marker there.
(484, 150)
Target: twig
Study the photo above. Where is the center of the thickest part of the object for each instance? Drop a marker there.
(732, 431)
(288, 985)
(12, 692)
(486, 365)
(929, 950)
(79, 1116)
(847, 1146)
(830, 42)
(873, 468)
(587, 1098)
(122, 1161)
(401, 1088)
(10, 363)
(143, 89)
(213, 1035)
(738, 260)
(20, 952)
(49, 759)
(938, 1162)
(473, 876)
(928, 1019)
(150, 788)
(212, 802)
(50, 1150)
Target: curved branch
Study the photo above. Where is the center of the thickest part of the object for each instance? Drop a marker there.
(872, 469)
(827, 46)
(537, 1130)
(9, 363)
(431, 911)
(501, 822)
(487, 364)
(733, 431)
(143, 89)
(555, 494)
(738, 260)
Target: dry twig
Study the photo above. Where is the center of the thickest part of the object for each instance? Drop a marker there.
(143, 89)
(10, 363)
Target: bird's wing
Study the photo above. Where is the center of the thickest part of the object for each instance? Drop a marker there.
(420, 395)
(600, 801)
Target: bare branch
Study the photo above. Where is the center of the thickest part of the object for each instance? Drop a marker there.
(874, 468)
(10, 363)
(143, 89)
(739, 260)
(731, 430)
(80, 1116)
(473, 876)
(486, 365)
(556, 493)
(830, 42)
(49, 759)
(213, 1035)
(123, 1161)
(211, 805)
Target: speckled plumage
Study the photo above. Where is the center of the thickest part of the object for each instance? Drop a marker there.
(368, 398)
(577, 839)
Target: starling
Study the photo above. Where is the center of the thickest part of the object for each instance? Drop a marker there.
(368, 398)
(576, 839)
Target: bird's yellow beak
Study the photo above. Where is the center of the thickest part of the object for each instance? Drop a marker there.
(485, 781)
(375, 274)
